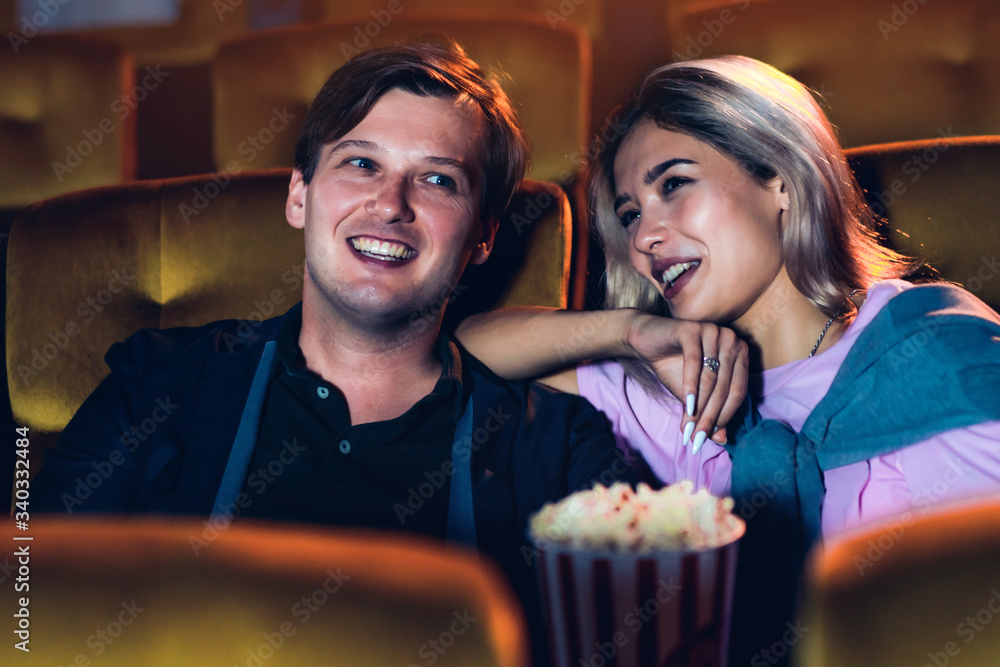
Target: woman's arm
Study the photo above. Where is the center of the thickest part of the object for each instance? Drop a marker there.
(528, 342)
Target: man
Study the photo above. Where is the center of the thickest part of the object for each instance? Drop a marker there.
(345, 410)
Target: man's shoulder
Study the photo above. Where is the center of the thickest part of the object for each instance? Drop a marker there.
(222, 337)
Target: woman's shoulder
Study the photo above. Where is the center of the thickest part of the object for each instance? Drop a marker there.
(922, 299)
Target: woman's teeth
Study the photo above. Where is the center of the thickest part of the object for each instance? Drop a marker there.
(671, 274)
(390, 252)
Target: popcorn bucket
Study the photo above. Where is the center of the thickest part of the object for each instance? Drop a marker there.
(659, 609)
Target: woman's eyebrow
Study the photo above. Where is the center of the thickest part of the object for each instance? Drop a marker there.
(657, 171)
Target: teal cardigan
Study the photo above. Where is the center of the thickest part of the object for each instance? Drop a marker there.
(927, 363)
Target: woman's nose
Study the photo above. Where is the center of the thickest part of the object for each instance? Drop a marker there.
(652, 230)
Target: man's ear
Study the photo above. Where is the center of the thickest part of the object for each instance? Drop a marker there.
(295, 205)
(481, 251)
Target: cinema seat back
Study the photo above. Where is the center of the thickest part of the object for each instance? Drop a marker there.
(888, 71)
(264, 82)
(63, 123)
(162, 593)
(942, 204)
(919, 589)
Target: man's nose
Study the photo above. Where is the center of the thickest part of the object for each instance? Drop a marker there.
(390, 203)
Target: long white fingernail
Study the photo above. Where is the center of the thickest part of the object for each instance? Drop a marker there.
(699, 440)
(690, 405)
(688, 430)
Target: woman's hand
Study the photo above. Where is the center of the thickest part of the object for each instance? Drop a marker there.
(676, 350)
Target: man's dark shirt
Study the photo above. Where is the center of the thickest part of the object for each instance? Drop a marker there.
(529, 445)
(310, 464)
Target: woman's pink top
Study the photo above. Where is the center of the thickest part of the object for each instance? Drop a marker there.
(951, 465)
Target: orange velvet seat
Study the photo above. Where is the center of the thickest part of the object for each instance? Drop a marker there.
(264, 82)
(942, 204)
(920, 589)
(889, 71)
(184, 252)
(165, 593)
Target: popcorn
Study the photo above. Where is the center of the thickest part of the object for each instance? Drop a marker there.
(642, 521)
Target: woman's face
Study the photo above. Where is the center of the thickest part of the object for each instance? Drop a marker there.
(700, 229)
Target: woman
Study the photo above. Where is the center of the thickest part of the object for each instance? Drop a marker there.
(725, 200)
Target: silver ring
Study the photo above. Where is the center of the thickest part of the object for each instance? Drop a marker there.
(710, 363)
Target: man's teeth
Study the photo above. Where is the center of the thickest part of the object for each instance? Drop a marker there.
(671, 274)
(383, 250)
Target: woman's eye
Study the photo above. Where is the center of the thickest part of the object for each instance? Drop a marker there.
(442, 180)
(674, 182)
(362, 163)
(628, 217)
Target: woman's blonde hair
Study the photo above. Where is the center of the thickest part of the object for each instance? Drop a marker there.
(769, 124)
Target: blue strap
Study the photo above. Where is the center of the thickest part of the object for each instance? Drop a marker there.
(246, 437)
(461, 518)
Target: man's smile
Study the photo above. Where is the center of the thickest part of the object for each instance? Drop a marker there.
(387, 251)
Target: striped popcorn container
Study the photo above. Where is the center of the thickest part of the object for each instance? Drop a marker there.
(661, 609)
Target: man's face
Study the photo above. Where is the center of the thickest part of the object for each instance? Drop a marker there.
(392, 214)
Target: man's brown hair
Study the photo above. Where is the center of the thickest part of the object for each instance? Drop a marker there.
(427, 70)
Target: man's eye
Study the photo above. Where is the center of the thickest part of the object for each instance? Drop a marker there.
(628, 217)
(362, 163)
(442, 180)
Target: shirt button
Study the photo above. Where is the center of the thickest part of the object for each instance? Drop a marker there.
(322, 392)
(345, 447)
